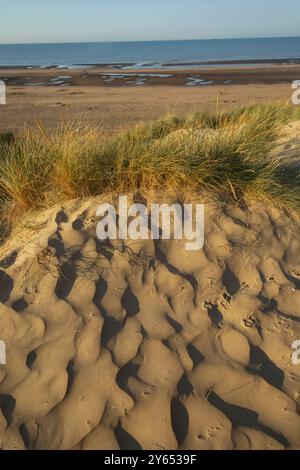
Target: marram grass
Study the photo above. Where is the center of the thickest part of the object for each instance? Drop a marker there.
(227, 154)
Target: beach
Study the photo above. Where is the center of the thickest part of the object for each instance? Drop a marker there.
(149, 230)
(128, 343)
(114, 98)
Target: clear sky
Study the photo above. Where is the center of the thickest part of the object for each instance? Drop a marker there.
(130, 20)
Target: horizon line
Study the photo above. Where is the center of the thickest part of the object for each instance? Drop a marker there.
(145, 40)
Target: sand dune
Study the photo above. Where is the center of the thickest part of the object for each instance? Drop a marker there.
(145, 345)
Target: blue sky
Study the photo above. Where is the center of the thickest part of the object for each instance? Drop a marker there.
(130, 20)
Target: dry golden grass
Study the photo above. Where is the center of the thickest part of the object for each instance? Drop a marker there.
(226, 153)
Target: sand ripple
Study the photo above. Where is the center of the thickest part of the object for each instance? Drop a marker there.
(146, 345)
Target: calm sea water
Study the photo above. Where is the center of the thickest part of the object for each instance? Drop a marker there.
(149, 53)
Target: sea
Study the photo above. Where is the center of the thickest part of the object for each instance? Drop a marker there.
(153, 53)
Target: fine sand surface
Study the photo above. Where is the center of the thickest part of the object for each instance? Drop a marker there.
(288, 147)
(112, 101)
(146, 345)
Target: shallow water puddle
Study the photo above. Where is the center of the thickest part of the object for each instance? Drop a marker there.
(137, 79)
(194, 81)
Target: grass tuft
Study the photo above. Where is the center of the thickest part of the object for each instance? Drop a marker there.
(227, 153)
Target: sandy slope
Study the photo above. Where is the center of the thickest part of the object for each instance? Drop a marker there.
(147, 345)
(288, 147)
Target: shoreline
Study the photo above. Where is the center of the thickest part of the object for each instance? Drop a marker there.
(159, 65)
(111, 76)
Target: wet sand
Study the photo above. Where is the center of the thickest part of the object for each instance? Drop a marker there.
(168, 76)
